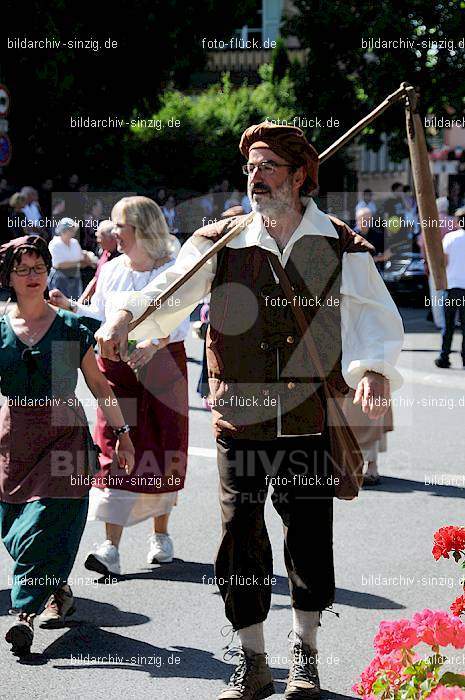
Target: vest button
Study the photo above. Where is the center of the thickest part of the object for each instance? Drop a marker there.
(291, 385)
(290, 339)
(264, 346)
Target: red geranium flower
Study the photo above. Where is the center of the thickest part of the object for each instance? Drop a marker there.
(443, 692)
(449, 539)
(395, 634)
(438, 628)
(390, 664)
(458, 606)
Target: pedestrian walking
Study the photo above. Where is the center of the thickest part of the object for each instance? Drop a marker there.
(17, 224)
(152, 388)
(371, 436)
(447, 224)
(366, 201)
(375, 236)
(45, 445)
(453, 245)
(108, 249)
(67, 259)
(291, 267)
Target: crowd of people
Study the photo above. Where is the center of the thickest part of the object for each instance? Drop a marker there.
(134, 466)
(28, 209)
(391, 225)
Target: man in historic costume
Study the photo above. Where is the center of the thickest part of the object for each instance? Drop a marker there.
(268, 407)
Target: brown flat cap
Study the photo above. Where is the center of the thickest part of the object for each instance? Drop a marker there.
(289, 142)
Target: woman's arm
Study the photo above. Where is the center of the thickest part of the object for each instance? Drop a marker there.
(96, 308)
(108, 402)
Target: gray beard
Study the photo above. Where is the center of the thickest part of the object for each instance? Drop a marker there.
(275, 205)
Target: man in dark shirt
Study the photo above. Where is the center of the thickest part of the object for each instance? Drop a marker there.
(364, 226)
(394, 205)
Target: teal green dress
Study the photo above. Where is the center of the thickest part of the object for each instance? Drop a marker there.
(43, 504)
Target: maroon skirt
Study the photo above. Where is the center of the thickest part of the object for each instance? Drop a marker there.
(155, 405)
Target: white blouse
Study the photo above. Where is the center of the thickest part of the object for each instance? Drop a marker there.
(116, 277)
(62, 252)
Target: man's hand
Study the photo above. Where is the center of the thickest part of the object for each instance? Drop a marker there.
(373, 393)
(112, 337)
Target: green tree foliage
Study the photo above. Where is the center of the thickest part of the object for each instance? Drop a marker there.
(159, 43)
(343, 77)
(280, 61)
(204, 149)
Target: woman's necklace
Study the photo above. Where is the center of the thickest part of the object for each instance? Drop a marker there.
(25, 332)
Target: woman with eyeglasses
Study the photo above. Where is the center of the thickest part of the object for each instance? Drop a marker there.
(45, 445)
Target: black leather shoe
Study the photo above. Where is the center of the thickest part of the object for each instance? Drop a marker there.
(21, 635)
(444, 364)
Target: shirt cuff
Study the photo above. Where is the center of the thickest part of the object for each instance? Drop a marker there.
(357, 369)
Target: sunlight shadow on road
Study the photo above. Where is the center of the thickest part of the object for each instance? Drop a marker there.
(391, 484)
(203, 573)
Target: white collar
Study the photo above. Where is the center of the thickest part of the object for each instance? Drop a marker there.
(314, 223)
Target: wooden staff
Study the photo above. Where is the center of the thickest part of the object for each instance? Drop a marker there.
(359, 126)
(425, 194)
(216, 247)
(424, 189)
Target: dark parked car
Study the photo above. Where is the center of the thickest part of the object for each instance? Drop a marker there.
(404, 276)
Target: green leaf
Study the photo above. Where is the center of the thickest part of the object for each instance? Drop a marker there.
(410, 671)
(450, 678)
(380, 686)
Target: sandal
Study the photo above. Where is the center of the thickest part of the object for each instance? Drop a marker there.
(21, 634)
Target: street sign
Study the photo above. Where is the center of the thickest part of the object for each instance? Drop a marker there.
(4, 100)
(5, 150)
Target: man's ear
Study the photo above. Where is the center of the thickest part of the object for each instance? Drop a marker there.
(300, 176)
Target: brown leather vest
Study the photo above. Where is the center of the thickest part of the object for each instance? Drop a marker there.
(255, 354)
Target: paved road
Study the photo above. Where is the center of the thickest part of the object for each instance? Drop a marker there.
(158, 630)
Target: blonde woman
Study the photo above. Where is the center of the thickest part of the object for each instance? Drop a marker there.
(151, 388)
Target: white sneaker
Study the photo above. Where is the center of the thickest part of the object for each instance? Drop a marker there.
(105, 559)
(161, 549)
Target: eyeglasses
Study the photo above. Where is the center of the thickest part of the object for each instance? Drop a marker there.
(266, 166)
(24, 270)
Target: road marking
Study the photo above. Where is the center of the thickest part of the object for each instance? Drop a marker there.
(208, 452)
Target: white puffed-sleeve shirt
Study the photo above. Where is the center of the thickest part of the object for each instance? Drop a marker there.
(372, 330)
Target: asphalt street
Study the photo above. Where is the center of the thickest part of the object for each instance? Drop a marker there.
(157, 631)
